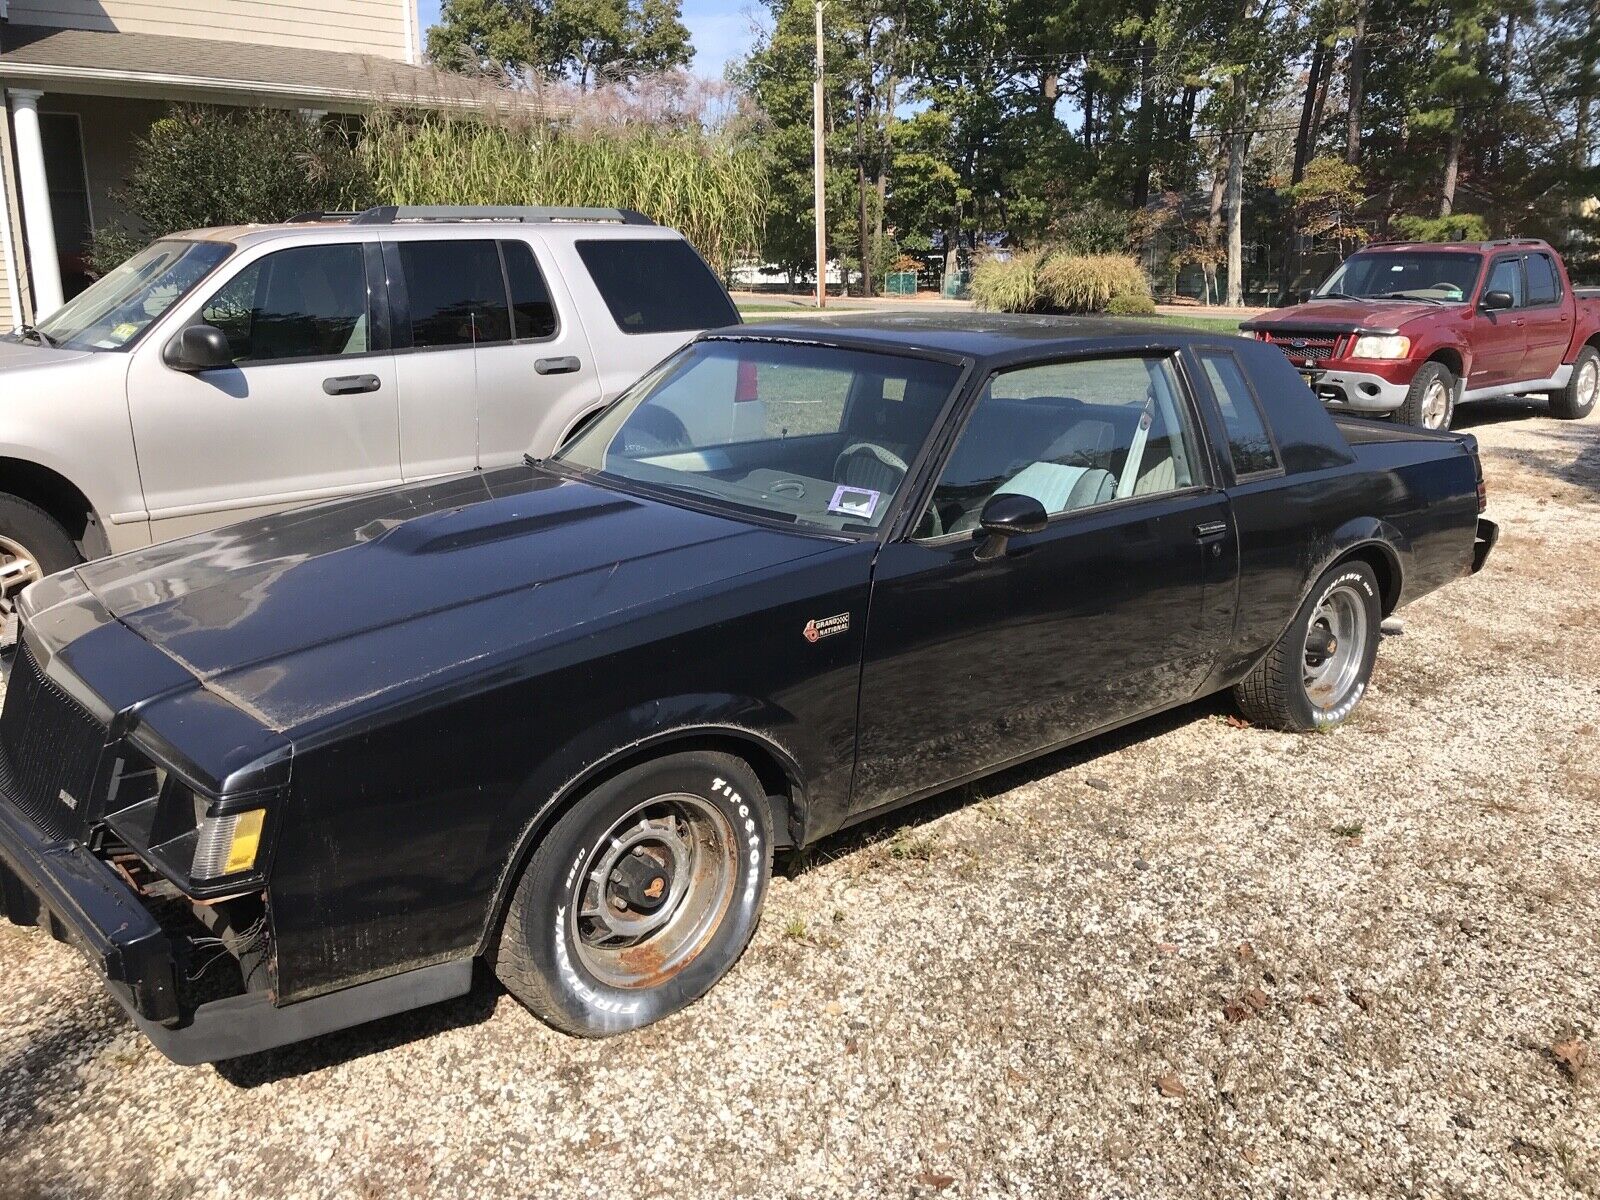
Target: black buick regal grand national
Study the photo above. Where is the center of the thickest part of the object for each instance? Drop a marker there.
(559, 716)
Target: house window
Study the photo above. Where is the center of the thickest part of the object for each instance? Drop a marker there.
(62, 135)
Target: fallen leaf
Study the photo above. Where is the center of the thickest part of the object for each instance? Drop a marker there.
(1235, 1012)
(942, 1147)
(936, 1181)
(1167, 947)
(1256, 999)
(1098, 784)
(851, 1045)
(1316, 998)
(1360, 999)
(1572, 1053)
(1171, 1086)
(1246, 952)
(595, 1140)
(1236, 722)
(1015, 1076)
(1251, 1156)
(833, 1008)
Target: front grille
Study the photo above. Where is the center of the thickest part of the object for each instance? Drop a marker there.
(49, 748)
(1304, 348)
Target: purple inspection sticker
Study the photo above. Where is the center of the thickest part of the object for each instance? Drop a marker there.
(854, 502)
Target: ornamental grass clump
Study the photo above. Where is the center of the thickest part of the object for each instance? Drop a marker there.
(1087, 283)
(1007, 284)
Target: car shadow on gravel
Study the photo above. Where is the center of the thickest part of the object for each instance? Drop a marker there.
(1498, 411)
(375, 1037)
(44, 1072)
(862, 837)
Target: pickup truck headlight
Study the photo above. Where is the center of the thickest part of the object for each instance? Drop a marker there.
(227, 845)
(1381, 345)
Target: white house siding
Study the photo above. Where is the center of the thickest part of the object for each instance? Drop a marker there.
(13, 306)
(381, 27)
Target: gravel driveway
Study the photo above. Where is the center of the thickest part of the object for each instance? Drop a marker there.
(1191, 959)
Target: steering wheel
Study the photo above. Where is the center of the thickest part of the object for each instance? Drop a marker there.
(652, 430)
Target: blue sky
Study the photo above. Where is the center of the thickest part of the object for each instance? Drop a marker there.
(718, 29)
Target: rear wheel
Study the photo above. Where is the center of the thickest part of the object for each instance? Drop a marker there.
(1316, 674)
(641, 896)
(32, 545)
(1431, 400)
(1576, 400)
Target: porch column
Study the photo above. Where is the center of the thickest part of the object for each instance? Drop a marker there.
(37, 222)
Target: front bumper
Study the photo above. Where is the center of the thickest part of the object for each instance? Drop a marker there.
(1360, 391)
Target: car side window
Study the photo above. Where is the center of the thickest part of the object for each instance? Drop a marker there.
(533, 315)
(1543, 285)
(1506, 276)
(456, 293)
(305, 302)
(1248, 441)
(1073, 435)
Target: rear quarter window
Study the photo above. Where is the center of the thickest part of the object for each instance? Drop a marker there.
(1249, 443)
(654, 285)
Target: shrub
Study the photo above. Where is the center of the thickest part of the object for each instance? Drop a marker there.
(1130, 305)
(1463, 227)
(1009, 284)
(1087, 282)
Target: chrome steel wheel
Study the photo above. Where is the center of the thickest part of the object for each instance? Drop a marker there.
(18, 568)
(656, 888)
(1586, 384)
(1335, 647)
(1435, 405)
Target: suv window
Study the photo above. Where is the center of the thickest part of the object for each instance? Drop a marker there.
(652, 285)
(1506, 276)
(305, 302)
(1072, 435)
(533, 316)
(456, 293)
(1248, 441)
(1543, 287)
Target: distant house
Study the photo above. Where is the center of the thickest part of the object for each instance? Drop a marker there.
(83, 79)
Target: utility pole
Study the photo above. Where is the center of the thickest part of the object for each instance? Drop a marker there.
(820, 197)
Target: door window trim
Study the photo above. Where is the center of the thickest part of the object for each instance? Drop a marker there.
(1488, 275)
(1201, 460)
(544, 278)
(1226, 446)
(1554, 274)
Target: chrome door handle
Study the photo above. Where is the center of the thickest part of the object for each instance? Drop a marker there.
(349, 385)
(557, 366)
(1210, 529)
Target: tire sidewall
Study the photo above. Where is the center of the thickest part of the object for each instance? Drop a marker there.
(1412, 409)
(1570, 402)
(1366, 586)
(38, 533)
(595, 1007)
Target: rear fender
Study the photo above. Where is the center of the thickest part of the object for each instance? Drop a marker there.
(657, 727)
(1359, 533)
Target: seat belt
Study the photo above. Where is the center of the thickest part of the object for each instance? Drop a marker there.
(1130, 467)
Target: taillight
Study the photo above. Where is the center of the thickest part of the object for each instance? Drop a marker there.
(1483, 496)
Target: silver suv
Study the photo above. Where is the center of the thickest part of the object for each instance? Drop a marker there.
(223, 373)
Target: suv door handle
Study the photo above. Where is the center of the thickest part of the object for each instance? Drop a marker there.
(556, 366)
(349, 385)
(1210, 529)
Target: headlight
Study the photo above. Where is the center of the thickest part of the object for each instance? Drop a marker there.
(228, 845)
(1385, 345)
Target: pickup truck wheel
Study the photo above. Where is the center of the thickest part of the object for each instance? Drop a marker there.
(1431, 400)
(1576, 400)
(32, 545)
(641, 897)
(1316, 674)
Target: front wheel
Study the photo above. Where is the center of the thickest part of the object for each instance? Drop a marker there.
(1576, 400)
(32, 545)
(641, 896)
(1430, 401)
(1316, 674)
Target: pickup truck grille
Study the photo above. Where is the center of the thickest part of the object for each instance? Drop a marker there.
(49, 748)
(1304, 347)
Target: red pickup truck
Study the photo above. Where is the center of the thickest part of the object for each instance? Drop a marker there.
(1415, 328)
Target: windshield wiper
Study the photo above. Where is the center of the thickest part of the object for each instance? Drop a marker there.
(1338, 296)
(1403, 296)
(37, 335)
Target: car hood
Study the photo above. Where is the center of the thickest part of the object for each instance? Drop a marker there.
(1344, 316)
(16, 355)
(294, 616)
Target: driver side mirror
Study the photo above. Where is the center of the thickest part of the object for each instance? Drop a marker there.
(1496, 301)
(198, 348)
(1004, 516)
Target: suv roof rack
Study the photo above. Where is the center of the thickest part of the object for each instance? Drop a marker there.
(312, 217)
(393, 214)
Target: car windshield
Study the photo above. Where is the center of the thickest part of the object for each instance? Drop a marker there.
(818, 435)
(1447, 278)
(118, 307)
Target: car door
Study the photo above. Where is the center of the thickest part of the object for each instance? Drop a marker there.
(1548, 316)
(1096, 619)
(449, 300)
(536, 387)
(1499, 337)
(306, 410)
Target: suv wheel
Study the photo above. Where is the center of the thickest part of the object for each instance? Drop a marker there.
(32, 545)
(1432, 399)
(641, 896)
(1576, 400)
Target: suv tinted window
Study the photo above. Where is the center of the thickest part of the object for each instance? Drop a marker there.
(656, 286)
(532, 314)
(307, 302)
(1506, 276)
(1248, 440)
(456, 292)
(1542, 286)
